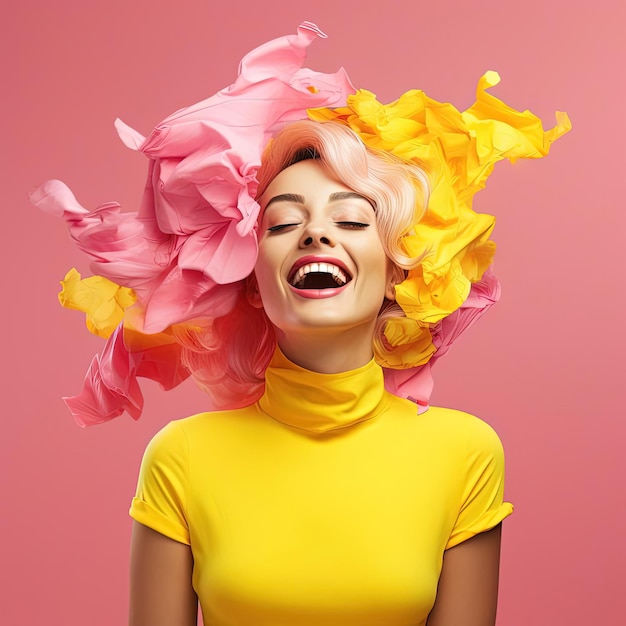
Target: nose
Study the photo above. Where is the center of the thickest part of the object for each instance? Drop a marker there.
(316, 237)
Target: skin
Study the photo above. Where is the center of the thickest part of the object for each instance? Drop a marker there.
(467, 593)
(307, 213)
(326, 335)
(161, 593)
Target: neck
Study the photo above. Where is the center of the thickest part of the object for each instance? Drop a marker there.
(328, 352)
(322, 403)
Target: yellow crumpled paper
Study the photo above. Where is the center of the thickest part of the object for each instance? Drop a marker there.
(103, 301)
(458, 150)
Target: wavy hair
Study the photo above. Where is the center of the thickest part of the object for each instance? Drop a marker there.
(228, 355)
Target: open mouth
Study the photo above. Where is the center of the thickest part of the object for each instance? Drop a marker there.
(319, 276)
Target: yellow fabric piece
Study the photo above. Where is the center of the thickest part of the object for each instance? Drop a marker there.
(100, 299)
(458, 150)
(311, 507)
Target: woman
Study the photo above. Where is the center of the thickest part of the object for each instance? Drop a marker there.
(331, 507)
(315, 496)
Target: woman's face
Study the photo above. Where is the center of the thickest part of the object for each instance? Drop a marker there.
(321, 263)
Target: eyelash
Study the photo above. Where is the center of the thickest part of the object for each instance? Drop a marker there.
(350, 225)
(278, 227)
(354, 225)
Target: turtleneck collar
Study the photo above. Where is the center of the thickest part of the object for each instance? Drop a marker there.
(320, 403)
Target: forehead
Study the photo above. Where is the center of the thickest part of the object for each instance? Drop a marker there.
(308, 175)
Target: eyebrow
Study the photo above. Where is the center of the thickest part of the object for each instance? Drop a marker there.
(286, 197)
(334, 197)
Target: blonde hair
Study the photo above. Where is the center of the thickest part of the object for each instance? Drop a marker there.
(398, 190)
(228, 355)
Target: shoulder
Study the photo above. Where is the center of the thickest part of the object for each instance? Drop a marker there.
(459, 423)
(173, 446)
(168, 448)
(470, 457)
(462, 433)
(181, 435)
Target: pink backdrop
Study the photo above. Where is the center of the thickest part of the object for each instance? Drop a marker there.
(542, 368)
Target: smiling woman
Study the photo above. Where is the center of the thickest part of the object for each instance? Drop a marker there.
(307, 273)
(301, 243)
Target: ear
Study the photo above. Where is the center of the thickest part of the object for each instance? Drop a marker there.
(252, 292)
(390, 291)
(395, 275)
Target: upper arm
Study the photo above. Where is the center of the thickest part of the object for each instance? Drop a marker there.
(467, 593)
(161, 591)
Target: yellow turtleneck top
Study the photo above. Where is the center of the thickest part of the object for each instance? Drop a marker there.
(328, 502)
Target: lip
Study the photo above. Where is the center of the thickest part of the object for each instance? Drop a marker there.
(315, 258)
(318, 294)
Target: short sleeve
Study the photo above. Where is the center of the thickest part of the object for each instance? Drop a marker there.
(481, 506)
(160, 500)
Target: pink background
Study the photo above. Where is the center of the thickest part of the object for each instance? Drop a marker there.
(543, 367)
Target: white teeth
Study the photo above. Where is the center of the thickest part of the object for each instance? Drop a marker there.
(322, 268)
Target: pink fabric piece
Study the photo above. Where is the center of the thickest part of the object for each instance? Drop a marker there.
(111, 386)
(193, 240)
(195, 232)
(416, 384)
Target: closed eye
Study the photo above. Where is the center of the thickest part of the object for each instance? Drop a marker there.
(279, 227)
(353, 225)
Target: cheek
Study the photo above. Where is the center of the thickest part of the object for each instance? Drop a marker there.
(384, 274)
(267, 271)
(376, 259)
